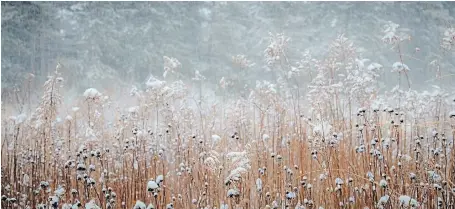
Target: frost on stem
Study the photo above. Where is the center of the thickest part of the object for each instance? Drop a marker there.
(275, 51)
(448, 41)
(153, 83)
(399, 67)
(50, 101)
(198, 76)
(392, 35)
(223, 83)
(259, 185)
(342, 49)
(171, 64)
(241, 61)
(211, 160)
(239, 164)
(92, 205)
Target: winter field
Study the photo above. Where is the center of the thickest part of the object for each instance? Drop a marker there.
(322, 133)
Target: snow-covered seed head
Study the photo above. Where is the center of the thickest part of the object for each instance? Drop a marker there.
(44, 184)
(412, 176)
(261, 171)
(290, 195)
(437, 187)
(170, 206)
(310, 203)
(309, 186)
(134, 130)
(81, 167)
(152, 186)
(383, 183)
(339, 181)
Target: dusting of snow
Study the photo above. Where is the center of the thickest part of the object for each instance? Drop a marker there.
(152, 186)
(259, 184)
(153, 83)
(139, 205)
(92, 205)
(400, 67)
(92, 93)
(407, 201)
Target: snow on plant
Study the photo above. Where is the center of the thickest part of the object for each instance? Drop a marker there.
(383, 201)
(342, 49)
(223, 83)
(240, 164)
(276, 50)
(171, 65)
(400, 67)
(233, 192)
(307, 63)
(241, 61)
(92, 205)
(92, 93)
(215, 140)
(407, 201)
(266, 87)
(259, 185)
(392, 33)
(19, 119)
(448, 41)
(362, 82)
(262, 151)
(322, 129)
(47, 110)
(211, 160)
(139, 205)
(153, 83)
(198, 76)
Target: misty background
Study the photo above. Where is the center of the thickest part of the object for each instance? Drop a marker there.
(113, 45)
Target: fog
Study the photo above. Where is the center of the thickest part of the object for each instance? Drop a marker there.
(112, 46)
(123, 42)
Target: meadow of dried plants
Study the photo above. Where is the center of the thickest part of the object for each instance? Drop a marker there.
(336, 141)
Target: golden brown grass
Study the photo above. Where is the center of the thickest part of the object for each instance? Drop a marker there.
(127, 154)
